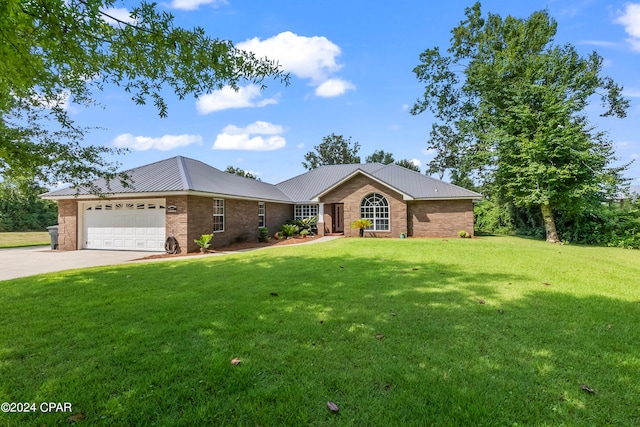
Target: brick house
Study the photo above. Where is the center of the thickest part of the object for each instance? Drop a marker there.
(186, 198)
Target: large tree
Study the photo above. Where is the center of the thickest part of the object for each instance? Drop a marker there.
(333, 150)
(408, 164)
(241, 172)
(54, 52)
(511, 109)
(381, 156)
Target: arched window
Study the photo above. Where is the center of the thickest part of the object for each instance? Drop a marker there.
(375, 207)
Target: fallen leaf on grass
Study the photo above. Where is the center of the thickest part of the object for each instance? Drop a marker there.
(415, 268)
(77, 417)
(587, 389)
(546, 283)
(379, 336)
(480, 301)
(273, 294)
(394, 314)
(332, 406)
(500, 311)
(235, 361)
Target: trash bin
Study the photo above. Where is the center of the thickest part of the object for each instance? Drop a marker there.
(53, 234)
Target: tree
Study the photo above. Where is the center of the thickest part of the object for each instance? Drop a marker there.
(380, 156)
(241, 172)
(515, 116)
(54, 52)
(334, 150)
(406, 163)
(21, 208)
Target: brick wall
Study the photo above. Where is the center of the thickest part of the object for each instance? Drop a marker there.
(351, 194)
(442, 218)
(68, 225)
(277, 214)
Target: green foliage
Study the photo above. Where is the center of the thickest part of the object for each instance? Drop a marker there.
(204, 242)
(21, 208)
(288, 230)
(406, 163)
(334, 150)
(305, 232)
(516, 115)
(307, 223)
(263, 234)
(361, 224)
(241, 172)
(54, 52)
(381, 156)
(594, 223)
(464, 234)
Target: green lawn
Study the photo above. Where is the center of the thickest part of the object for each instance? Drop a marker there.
(491, 331)
(27, 238)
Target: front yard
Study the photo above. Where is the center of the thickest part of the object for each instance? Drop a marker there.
(487, 331)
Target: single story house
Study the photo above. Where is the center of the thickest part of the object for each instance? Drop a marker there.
(186, 198)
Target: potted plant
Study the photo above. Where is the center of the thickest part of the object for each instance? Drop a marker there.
(204, 242)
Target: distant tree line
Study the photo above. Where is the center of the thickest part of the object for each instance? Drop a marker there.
(22, 209)
(338, 150)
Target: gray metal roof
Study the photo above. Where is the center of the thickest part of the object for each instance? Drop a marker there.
(184, 174)
(305, 187)
(308, 186)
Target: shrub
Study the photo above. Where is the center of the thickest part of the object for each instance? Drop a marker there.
(305, 232)
(264, 235)
(288, 230)
(204, 242)
(361, 224)
(461, 233)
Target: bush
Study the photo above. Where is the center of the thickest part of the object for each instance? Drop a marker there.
(204, 241)
(288, 230)
(361, 224)
(304, 233)
(264, 235)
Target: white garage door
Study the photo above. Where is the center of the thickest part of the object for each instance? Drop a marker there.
(125, 225)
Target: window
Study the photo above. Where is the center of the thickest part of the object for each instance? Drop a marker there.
(261, 215)
(218, 215)
(375, 208)
(305, 211)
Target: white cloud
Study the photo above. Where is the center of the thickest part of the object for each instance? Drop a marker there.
(635, 156)
(334, 87)
(195, 4)
(227, 98)
(164, 143)
(630, 19)
(119, 13)
(313, 58)
(300, 146)
(416, 162)
(428, 151)
(237, 138)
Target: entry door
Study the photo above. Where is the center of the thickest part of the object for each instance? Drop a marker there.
(338, 218)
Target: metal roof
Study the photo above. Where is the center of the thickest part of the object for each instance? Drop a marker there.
(181, 174)
(308, 186)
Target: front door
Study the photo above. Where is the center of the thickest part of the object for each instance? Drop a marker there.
(338, 218)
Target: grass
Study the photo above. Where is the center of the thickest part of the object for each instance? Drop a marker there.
(151, 344)
(21, 239)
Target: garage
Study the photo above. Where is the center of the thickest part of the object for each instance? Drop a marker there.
(135, 225)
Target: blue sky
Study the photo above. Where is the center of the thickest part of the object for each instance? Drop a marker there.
(351, 66)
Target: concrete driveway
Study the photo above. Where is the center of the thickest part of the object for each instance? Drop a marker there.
(22, 262)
